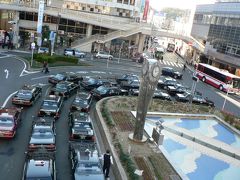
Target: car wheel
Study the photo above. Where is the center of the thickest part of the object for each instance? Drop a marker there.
(203, 79)
(221, 87)
(82, 56)
(110, 58)
(98, 57)
(175, 76)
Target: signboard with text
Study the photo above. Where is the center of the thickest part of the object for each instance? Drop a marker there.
(145, 12)
(40, 21)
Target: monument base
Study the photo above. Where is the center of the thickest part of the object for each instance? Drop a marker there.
(144, 139)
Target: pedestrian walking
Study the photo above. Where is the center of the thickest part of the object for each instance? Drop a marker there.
(107, 161)
(44, 66)
(184, 67)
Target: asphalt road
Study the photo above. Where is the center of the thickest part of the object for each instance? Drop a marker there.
(13, 75)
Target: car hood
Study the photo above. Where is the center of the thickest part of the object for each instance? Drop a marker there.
(180, 95)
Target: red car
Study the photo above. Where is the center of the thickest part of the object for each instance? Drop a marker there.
(9, 120)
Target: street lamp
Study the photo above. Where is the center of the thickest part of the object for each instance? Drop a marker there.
(195, 80)
(120, 51)
(225, 99)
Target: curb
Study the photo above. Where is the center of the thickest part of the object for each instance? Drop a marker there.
(117, 168)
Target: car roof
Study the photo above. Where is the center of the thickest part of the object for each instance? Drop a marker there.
(8, 111)
(52, 98)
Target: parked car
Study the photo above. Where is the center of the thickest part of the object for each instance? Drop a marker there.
(103, 55)
(80, 127)
(9, 121)
(158, 94)
(39, 165)
(197, 99)
(65, 76)
(85, 161)
(51, 106)
(74, 52)
(82, 102)
(168, 71)
(91, 83)
(166, 82)
(43, 135)
(27, 95)
(133, 92)
(64, 89)
(43, 50)
(106, 91)
(130, 84)
(126, 77)
(177, 89)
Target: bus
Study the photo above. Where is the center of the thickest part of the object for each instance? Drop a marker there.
(218, 78)
(170, 47)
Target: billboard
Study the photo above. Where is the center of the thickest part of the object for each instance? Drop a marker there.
(145, 12)
(40, 22)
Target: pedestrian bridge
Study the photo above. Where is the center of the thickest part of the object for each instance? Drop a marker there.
(123, 27)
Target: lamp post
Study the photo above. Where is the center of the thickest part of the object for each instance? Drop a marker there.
(120, 51)
(225, 98)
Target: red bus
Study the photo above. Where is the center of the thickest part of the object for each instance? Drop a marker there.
(219, 78)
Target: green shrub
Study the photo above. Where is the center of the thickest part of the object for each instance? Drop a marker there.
(55, 58)
(127, 163)
(106, 114)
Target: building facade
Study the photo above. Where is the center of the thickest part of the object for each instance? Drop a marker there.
(218, 27)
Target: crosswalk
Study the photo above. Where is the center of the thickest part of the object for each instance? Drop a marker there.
(170, 63)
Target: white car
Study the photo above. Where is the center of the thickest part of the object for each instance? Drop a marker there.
(43, 50)
(104, 55)
(74, 52)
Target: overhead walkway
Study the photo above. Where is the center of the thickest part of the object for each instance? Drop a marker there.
(123, 27)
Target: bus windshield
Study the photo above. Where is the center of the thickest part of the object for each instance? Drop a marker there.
(236, 83)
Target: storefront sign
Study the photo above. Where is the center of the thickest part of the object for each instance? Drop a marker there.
(40, 20)
(145, 13)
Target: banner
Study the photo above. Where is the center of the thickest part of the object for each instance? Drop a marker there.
(40, 22)
(145, 13)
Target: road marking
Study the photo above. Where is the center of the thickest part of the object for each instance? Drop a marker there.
(229, 99)
(41, 77)
(5, 102)
(82, 72)
(98, 72)
(7, 73)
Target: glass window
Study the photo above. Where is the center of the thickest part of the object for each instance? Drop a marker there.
(71, 23)
(29, 16)
(22, 15)
(70, 29)
(63, 21)
(125, 1)
(119, 1)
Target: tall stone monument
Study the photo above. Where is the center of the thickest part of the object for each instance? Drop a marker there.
(149, 79)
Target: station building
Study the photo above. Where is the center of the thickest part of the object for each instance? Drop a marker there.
(218, 27)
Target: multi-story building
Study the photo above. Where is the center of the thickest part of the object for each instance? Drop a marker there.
(73, 19)
(218, 27)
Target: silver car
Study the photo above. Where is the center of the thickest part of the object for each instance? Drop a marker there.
(85, 161)
(43, 135)
(104, 55)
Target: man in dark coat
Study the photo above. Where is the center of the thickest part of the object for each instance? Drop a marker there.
(107, 161)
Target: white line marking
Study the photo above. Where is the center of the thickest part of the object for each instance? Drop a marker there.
(7, 73)
(229, 99)
(82, 72)
(98, 72)
(5, 102)
(172, 63)
(41, 77)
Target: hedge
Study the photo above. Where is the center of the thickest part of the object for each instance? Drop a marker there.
(55, 58)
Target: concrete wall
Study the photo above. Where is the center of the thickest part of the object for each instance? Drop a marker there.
(200, 31)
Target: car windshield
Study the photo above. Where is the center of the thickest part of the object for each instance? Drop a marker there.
(42, 133)
(92, 81)
(24, 94)
(48, 103)
(81, 101)
(89, 168)
(61, 87)
(59, 77)
(102, 89)
(6, 121)
(83, 125)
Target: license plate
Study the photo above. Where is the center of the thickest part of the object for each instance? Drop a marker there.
(48, 113)
(83, 137)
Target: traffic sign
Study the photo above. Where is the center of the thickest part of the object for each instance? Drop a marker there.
(33, 45)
